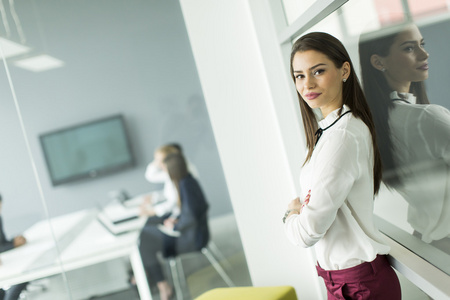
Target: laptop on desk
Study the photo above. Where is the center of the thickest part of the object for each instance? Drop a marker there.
(118, 218)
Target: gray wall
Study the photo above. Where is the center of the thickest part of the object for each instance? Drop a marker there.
(123, 56)
(436, 43)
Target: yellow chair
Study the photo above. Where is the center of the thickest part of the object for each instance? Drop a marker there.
(249, 293)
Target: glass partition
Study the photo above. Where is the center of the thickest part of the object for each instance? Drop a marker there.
(389, 46)
(28, 247)
(75, 65)
(293, 9)
(420, 9)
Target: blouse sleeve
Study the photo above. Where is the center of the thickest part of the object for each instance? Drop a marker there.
(154, 174)
(334, 172)
(434, 129)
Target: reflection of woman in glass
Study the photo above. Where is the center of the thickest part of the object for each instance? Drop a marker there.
(340, 176)
(413, 135)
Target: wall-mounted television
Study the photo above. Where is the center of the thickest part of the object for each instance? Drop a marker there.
(87, 150)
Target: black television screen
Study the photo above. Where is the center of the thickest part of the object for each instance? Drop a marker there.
(87, 150)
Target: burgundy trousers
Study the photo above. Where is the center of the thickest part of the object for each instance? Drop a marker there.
(370, 280)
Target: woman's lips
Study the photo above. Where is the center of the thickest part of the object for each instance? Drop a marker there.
(312, 96)
(423, 67)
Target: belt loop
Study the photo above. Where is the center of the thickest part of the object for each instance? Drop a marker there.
(329, 277)
(324, 273)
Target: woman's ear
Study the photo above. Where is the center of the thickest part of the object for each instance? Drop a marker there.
(377, 62)
(346, 69)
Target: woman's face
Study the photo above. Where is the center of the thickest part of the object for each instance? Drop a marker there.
(159, 159)
(318, 80)
(407, 60)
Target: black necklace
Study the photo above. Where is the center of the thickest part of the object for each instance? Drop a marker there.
(400, 99)
(320, 130)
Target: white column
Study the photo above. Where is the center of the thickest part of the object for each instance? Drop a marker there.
(253, 122)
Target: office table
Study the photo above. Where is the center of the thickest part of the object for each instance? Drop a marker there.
(81, 241)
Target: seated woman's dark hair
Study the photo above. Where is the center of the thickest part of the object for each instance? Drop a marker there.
(176, 166)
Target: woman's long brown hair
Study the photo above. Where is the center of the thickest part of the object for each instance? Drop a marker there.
(352, 94)
(377, 91)
(177, 169)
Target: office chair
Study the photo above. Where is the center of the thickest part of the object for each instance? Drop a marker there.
(177, 272)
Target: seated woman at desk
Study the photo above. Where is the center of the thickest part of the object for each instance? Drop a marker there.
(155, 173)
(188, 232)
(14, 291)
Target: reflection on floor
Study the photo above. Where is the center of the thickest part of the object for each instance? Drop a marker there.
(200, 275)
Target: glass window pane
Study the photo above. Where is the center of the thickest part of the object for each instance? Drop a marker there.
(332, 21)
(427, 8)
(372, 19)
(415, 211)
(389, 11)
(27, 237)
(294, 8)
(82, 62)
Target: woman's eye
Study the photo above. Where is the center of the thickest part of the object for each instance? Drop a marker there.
(300, 76)
(318, 72)
(422, 44)
(409, 49)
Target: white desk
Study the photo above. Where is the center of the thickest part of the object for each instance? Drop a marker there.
(81, 241)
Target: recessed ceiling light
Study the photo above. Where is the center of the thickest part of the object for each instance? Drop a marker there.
(39, 63)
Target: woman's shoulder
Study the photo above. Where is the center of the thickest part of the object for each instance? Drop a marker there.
(351, 127)
(188, 178)
(423, 114)
(435, 120)
(419, 108)
(347, 137)
(188, 182)
(436, 110)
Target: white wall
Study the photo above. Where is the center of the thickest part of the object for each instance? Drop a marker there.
(249, 120)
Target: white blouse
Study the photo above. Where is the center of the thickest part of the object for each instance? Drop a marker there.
(338, 220)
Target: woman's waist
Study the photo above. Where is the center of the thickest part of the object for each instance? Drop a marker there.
(343, 252)
(356, 272)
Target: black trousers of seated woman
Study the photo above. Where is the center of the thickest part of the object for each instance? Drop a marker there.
(152, 241)
(13, 292)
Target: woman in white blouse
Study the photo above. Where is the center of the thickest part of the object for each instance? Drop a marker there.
(166, 204)
(414, 136)
(340, 175)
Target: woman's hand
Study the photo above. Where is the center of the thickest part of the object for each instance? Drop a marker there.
(146, 208)
(297, 205)
(19, 241)
(293, 208)
(170, 223)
